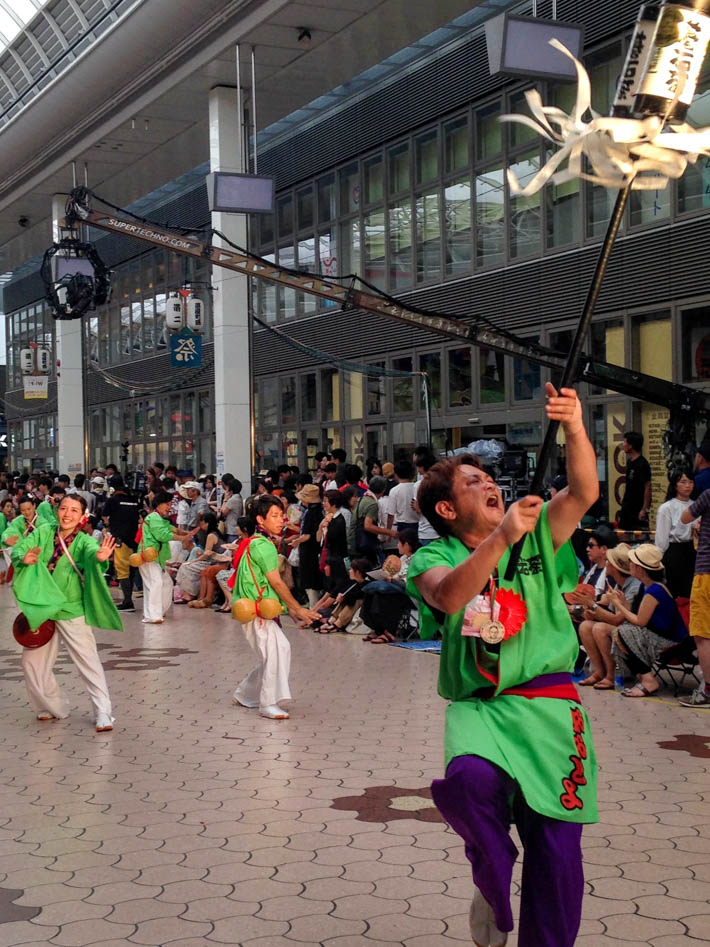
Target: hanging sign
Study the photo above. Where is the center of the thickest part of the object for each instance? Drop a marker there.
(36, 386)
(185, 349)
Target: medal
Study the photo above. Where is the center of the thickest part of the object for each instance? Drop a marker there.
(493, 632)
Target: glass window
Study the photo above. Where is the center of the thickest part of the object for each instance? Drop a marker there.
(459, 362)
(287, 296)
(204, 413)
(490, 216)
(353, 388)
(349, 189)
(456, 145)
(694, 187)
(426, 153)
(375, 247)
(284, 213)
(189, 415)
(561, 341)
(304, 208)
(520, 134)
(492, 376)
(403, 386)
(350, 247)
(328, 256)
(403, 440)
(525, 211)
(373, 170)
(695, 333)
(489, 131)
(651, 350)
(428, 237)
(307, 261)
(400, 243)
(526, 378)
(430, 363)
(647, 206)
(330, 395)
(270, 403)
(266, 294)
(398, 158)
(266, 229)
(608, 345)
(288, 399)
(563, 200)
(376, 392)
(326, 198)
(457, 226)
(309, 397)
(175, 415)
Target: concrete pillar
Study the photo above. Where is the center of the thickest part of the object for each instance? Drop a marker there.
(71, 457)
(232, 368)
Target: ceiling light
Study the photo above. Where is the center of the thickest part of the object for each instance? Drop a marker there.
(304, 37)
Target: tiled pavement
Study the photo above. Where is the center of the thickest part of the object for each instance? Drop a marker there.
(199, 823)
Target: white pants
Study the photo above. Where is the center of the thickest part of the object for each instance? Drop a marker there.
(157, 591)
(6, 556)
(267, 682)
(38, 665)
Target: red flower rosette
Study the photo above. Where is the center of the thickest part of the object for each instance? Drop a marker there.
(513, 611)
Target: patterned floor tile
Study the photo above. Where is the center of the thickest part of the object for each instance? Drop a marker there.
(199, 823)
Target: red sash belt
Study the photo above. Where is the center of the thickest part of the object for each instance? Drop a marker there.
(546, 685)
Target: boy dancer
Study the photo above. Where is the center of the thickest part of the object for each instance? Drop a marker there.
(156, 533)
(257, 577)
(59, 574)
(517, 740)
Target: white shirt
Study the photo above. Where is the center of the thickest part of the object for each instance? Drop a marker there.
(426, 531)
(669, 528)
(400, 498)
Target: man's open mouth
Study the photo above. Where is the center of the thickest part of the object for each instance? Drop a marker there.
(492, 502)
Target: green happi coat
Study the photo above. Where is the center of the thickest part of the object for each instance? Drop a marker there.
(60, 594)
(263, 558)
(157, 532)
(46, 513)
(536, 741)
(16, 527)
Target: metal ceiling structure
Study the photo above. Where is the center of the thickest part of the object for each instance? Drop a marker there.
(122, 86)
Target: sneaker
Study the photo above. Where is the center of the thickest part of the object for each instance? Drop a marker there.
(104, 722)
(698, 698)
(482, 922)
(126, 607)
(274, 712)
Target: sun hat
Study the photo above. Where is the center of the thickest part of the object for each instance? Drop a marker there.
(309, 494)
(647, 556)
(188, 485)
(619, 558)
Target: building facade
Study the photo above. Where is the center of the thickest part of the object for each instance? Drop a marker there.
(404, 186)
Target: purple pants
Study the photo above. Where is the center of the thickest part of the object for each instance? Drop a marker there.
(475, 799)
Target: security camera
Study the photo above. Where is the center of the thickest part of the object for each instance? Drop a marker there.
(23, 221)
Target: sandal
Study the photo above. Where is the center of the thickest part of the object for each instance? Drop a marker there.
(645, 692)
(604, 684)
(593, 679)
(196, 603)
(385, 638)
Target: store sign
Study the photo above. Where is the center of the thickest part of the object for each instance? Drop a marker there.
(185, 350)
(36, 386)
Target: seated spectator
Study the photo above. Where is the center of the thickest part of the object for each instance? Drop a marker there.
(657, 624)
(212, 552)
(385, 601)
(347, 602)
(602, 617)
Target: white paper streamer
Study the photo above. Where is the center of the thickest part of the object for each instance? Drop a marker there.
(618, 150)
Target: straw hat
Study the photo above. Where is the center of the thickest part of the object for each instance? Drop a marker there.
(309, 494)
(647, 556)
(619, 558)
